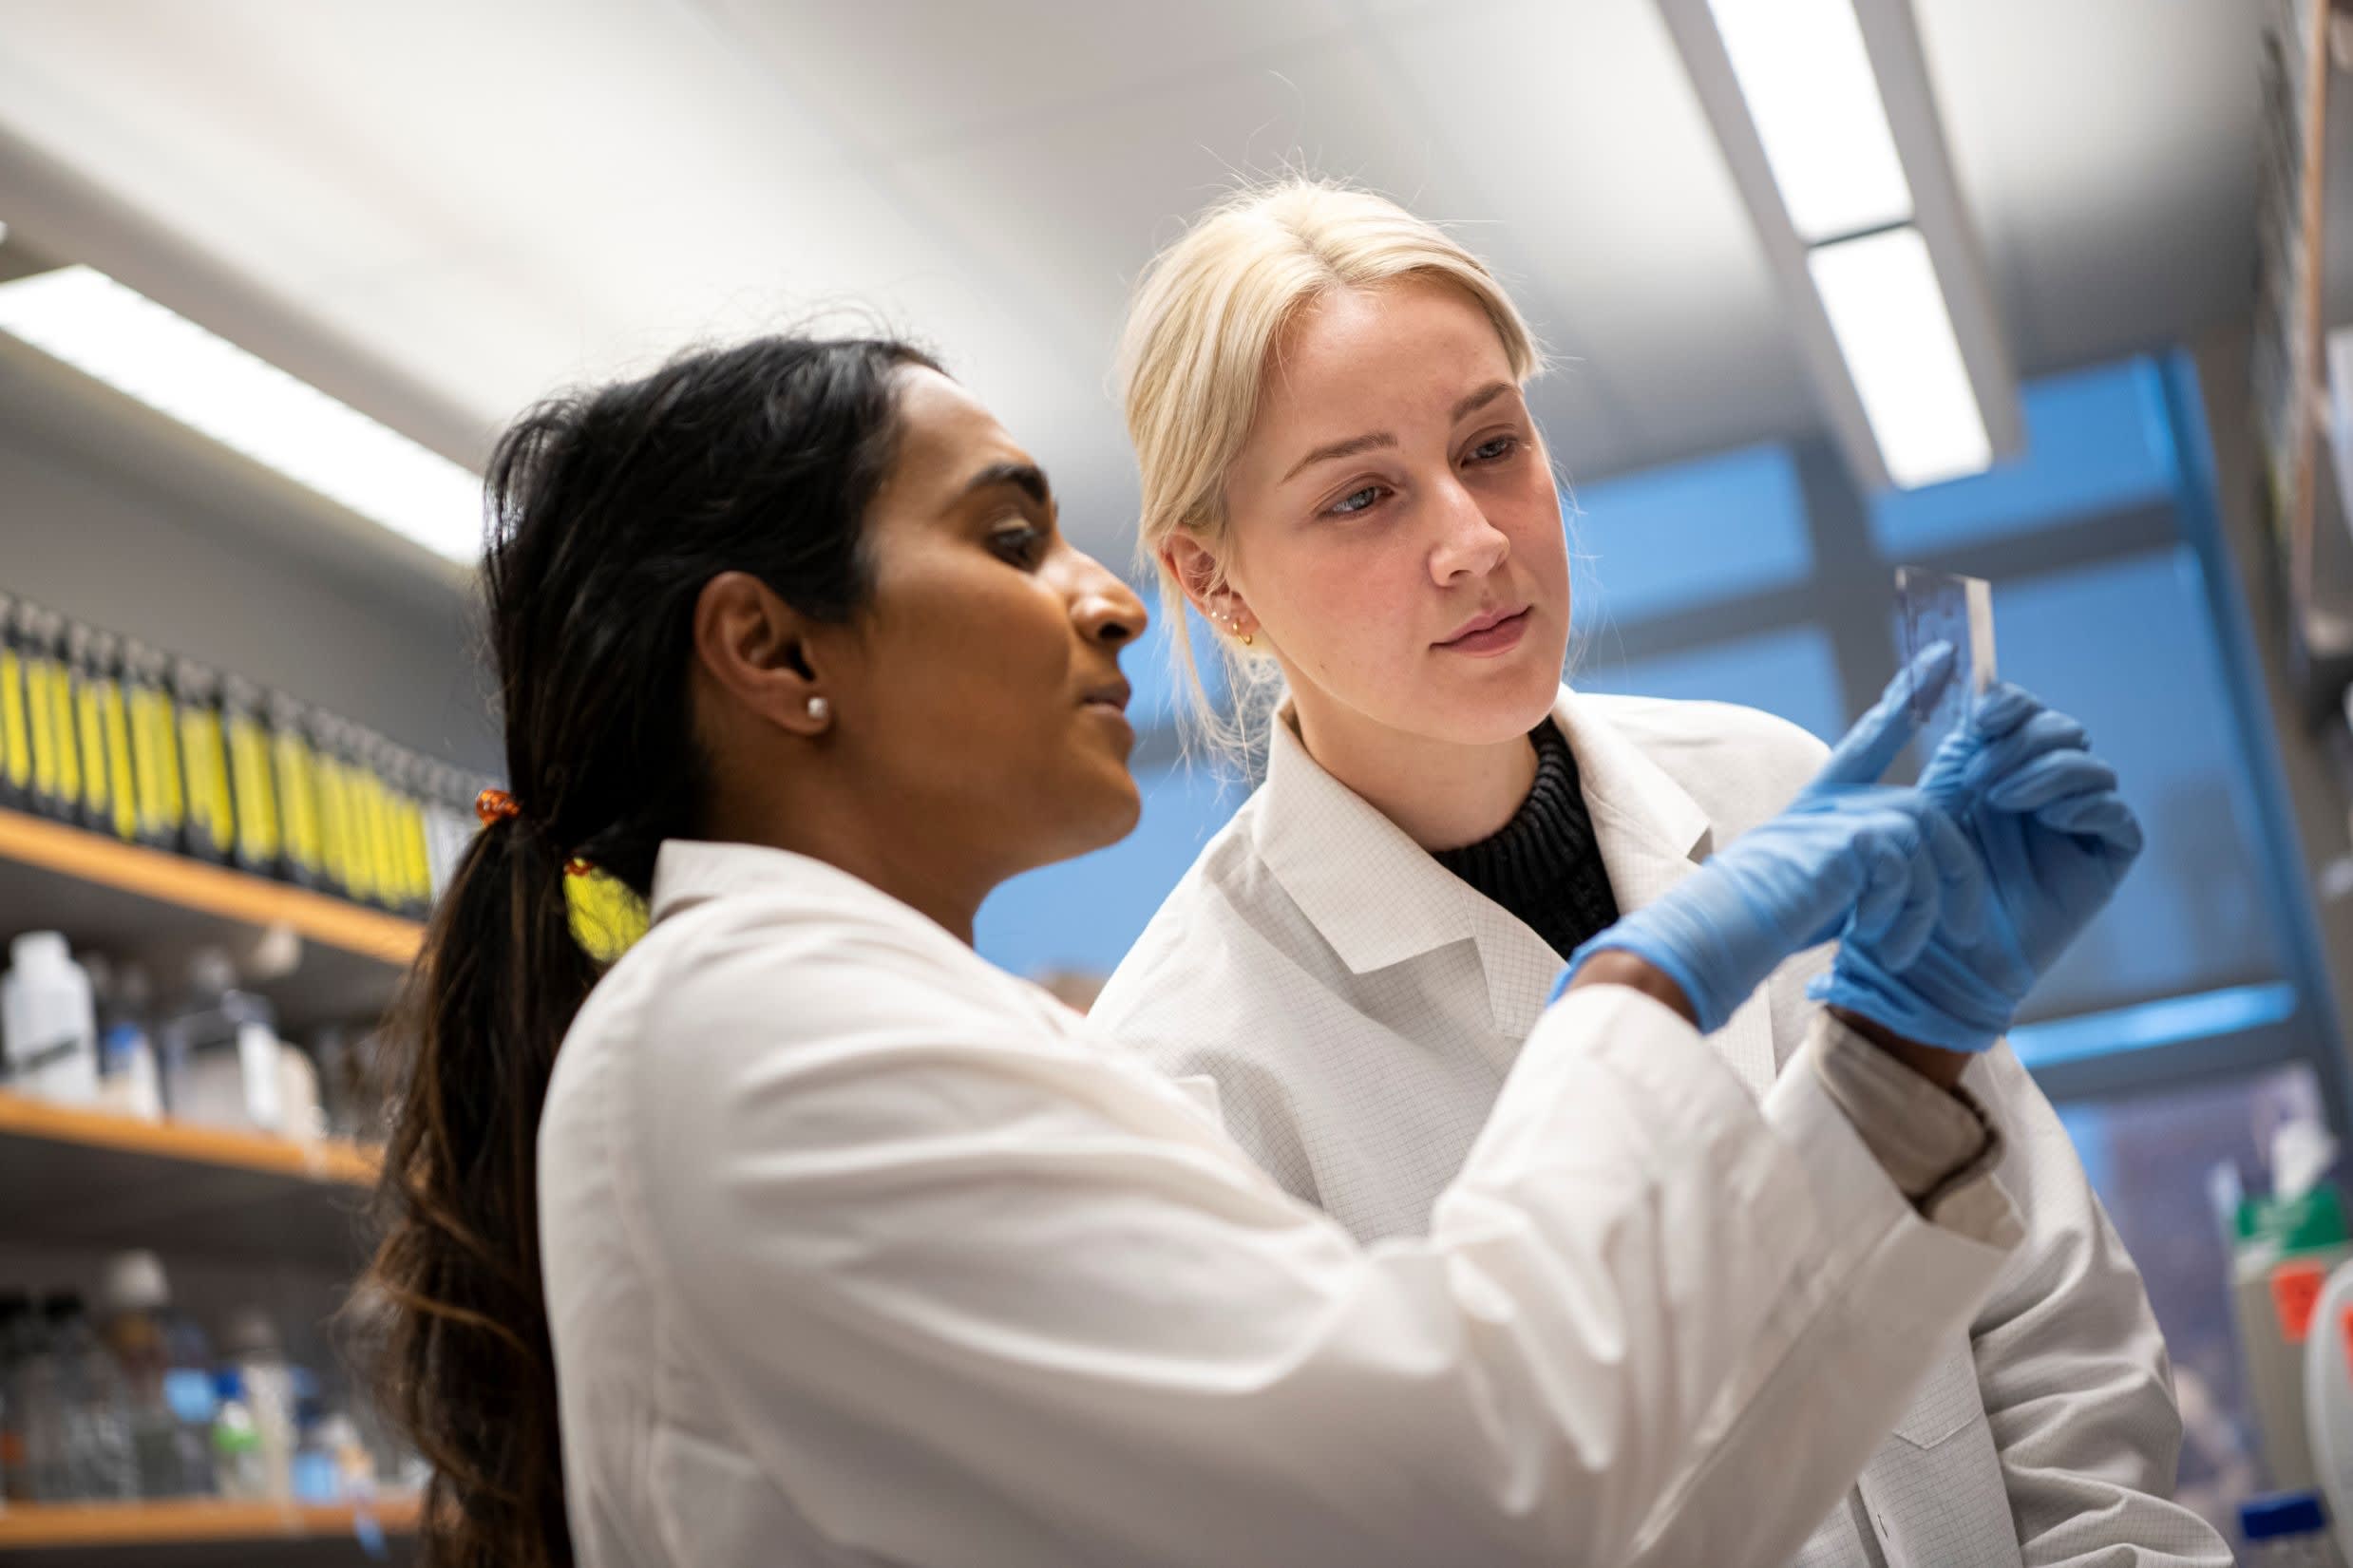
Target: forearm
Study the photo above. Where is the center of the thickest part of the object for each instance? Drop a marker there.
(1929, 1143)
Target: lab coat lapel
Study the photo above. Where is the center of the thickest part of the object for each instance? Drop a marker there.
(1652, 835)
(1371, 892)
(1380, 899)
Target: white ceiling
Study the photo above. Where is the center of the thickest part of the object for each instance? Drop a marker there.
(491, 197)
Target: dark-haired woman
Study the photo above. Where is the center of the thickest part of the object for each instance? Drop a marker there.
(821, 1240)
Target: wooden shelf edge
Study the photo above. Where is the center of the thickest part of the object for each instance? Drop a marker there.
(327, 1160)
(208, 888)
(26, 1525)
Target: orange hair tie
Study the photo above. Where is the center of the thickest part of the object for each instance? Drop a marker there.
(495, 806)
(577, 867)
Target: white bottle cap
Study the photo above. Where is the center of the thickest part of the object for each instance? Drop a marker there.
(39, 949)
(133, 1282)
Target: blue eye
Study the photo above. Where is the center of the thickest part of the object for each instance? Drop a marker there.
(1355, 501)
(1496, 449)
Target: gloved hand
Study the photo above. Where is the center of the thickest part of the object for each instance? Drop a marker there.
(1847, 852)
(2055, 839)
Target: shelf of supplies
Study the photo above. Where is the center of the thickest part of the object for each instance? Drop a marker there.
(32, 1527)
(87, 1177)
(127, 898)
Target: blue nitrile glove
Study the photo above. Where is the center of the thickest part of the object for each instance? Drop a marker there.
(1849, 853)
(2055, 839)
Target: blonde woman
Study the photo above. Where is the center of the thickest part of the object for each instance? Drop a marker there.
(1340, 473)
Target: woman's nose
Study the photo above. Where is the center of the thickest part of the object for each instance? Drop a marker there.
(1467, 543)
(1105, 609)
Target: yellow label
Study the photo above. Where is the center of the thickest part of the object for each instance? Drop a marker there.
(146, 764)
(420, 853)
(335, 818)
(122, 780)
(297, 800)
(211, 816)
(258, 828)
(44, 727)
(61, 726)
(384, 877)
(164, 736)
(89, 724)
(15, 726)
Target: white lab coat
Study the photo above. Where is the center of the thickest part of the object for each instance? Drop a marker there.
(859, 1251)
(1359, 1006)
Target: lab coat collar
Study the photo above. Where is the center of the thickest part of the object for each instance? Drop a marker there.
(690, 872)
(1380, 898)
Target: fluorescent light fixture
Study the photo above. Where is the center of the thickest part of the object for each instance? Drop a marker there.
(168, 362)
(1889, 317)
(1807, 78)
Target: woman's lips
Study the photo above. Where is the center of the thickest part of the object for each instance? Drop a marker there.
(1488, 641)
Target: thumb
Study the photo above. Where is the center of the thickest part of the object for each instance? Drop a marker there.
(1882, 732)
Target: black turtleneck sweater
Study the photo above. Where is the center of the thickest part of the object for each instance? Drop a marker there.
(1543, 864)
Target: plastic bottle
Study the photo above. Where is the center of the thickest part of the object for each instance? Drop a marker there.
(338, 842)
(239, 1470)
(171, 1445)
(210, 829)
(47, 1021)
(189, 1390)
(114, 725)
(301, 1114)
(409, 780)
(15, 716)
(270, 1396)
(129, 1075)
(55, 778)
(2286, 1530)
(2286, 1250)
(258, 844)
(154, 746)
(99, 1461)
(448, 824)
(16, 1346)
(220, 1051)
(295, 772)
(95, 805)
(41, 1413)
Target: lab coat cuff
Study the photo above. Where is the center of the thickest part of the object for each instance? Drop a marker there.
(1931, 1141)
(1861, 1212)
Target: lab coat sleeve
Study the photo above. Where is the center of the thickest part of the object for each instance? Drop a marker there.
(969, 1295)
(2072, 1367)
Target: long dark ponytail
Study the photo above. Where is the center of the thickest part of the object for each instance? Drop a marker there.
(610, 510)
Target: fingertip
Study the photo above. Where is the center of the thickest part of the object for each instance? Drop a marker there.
(2001, 708)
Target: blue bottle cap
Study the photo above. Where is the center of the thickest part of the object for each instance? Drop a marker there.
(2282, 1514)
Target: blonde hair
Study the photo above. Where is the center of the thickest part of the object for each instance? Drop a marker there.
(1207, 319)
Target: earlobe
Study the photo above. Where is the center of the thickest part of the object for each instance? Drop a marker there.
(755, 648)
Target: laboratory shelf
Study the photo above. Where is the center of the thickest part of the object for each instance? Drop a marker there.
(129, 899)
(87, 1177)
(165, 1532)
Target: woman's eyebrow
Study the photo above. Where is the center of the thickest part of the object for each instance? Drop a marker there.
(1479, 399)
(1348, 448)
(1026, 476)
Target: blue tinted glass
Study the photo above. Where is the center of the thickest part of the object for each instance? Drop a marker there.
(2096, 440)
(2126, 647)
(1694, 533)
(1791, 672)
(1084, 914)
